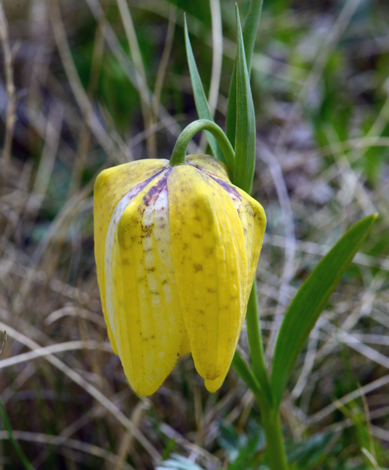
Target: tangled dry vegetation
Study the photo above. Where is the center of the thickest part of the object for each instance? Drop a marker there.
(69, 108)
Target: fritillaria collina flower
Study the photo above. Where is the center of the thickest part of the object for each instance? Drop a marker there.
(176, 251)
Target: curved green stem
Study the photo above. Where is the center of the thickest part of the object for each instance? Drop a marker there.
(179, 151)
(257, 357)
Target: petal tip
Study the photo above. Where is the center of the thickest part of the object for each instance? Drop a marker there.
(214, 385)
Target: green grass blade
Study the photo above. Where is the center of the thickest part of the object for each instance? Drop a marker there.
(14, 442)
(242, 369)
(309, 302)
(245, 120)
(200, 98)
(249, 34)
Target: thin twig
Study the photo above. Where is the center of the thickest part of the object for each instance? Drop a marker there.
(368, 423)
(78, 90)
(85, 136)
(217, 58)
(290, 239)
(313, 78)
(140, 74)
(10, 87)
(164, 61)
(3, 343)
(89, 388)
(128, 68)
(127, 442)
(71, 443)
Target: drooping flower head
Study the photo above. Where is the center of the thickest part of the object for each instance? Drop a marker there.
(176, 251)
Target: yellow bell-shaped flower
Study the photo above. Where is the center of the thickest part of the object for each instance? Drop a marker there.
(176, 252)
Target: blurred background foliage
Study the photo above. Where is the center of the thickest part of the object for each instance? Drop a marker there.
(70, 106)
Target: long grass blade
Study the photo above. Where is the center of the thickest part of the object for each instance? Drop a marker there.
(309, 302)
(200, 98)
(136, 55)
(14, 442)
(249, 33)
(242, 369)
(217, 54)
(245, 124)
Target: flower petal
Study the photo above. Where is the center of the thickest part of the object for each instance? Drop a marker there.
(250, 212)
(253, 221)
(211, 268)
(210, 165)
(148, 319)
(185, 345)
(214, 385)
(111, 186)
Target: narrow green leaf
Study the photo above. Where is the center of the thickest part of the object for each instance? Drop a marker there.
(242, 369)
(245, 120)
(309, 302)
(249, 34)
(200, 98)
(14, 442)
(309, 453)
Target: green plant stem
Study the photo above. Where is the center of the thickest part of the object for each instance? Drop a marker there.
(257, 357)
(179, 151)
(269, 413)
(275, 442)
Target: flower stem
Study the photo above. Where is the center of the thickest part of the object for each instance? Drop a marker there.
(269, 412)
(179, 151)
(275, 441)
(269, 415)
(254, 334)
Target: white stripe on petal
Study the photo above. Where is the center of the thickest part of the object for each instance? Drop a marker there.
(109, 242)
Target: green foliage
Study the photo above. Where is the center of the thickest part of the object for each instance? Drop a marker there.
(360, 433)
(15, 443)
(332, 112)
(307, 454)
(246, 374)
(249, 33)
(118, 94)
(309, 302)
(243, 450)
(177, 462)
(245, 136)
(168, 448)
(179, 151)
(313, 295)
(200, 98)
